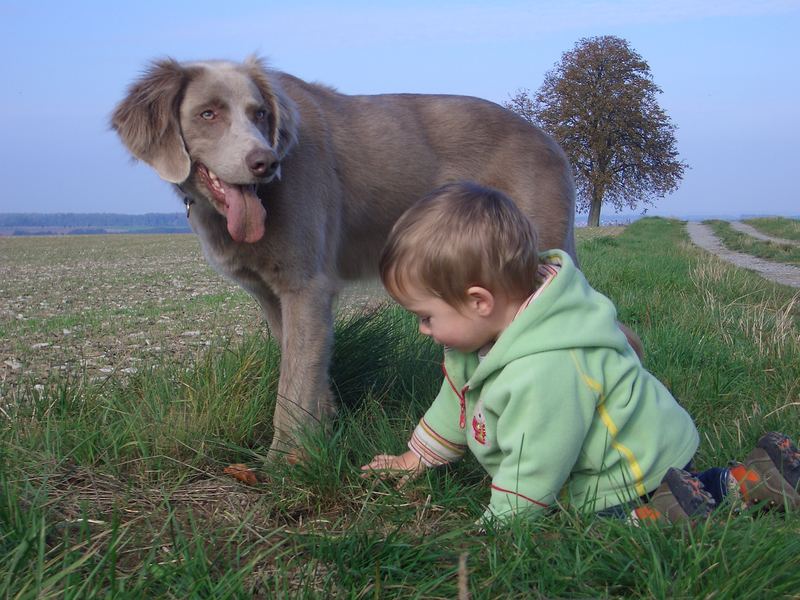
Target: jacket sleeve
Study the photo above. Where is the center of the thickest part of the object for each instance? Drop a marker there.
(540, 433)
(438, 438)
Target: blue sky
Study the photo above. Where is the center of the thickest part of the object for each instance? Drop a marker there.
(728, 70)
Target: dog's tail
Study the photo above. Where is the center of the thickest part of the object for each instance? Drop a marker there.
(633, 339)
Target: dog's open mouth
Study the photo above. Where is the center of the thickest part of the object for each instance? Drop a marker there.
(239, 204)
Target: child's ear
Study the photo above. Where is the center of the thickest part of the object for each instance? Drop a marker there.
(481, 301)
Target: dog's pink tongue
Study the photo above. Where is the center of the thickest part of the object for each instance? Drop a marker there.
(245, 213)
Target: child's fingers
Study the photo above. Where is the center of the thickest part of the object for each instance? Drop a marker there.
(381, 465)
(378, 462)
(409, 474)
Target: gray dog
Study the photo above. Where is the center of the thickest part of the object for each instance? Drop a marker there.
(293, 187)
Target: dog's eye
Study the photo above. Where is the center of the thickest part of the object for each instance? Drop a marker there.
(208, 115)
(260, 114)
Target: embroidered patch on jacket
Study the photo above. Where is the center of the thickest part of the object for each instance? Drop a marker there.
(479, 426)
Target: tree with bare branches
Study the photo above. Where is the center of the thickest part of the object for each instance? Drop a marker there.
(599, 102)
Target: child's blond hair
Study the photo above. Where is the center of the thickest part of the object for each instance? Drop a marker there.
(458, 236)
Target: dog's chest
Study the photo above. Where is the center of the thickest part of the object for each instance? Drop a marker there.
(239, 262)
(231, 259)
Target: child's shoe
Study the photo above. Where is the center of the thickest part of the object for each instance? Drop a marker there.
(679, 497)
(770, 474)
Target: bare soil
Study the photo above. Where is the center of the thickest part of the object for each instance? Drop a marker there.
(105, 305)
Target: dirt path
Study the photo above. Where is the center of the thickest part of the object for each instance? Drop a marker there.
(753, 232)
(701, 235)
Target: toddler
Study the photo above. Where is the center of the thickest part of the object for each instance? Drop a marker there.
(540, 383)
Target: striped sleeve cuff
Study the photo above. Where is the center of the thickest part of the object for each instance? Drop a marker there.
(433, 449)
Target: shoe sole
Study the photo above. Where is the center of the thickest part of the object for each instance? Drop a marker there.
(772, 487)
(665, 501)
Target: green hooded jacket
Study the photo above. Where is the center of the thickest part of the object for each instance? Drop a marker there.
(560, 409)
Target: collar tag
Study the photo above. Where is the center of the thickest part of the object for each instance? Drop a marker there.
(188, 203)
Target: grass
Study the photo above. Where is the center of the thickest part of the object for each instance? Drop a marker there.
(741, 242)
(112, 487)
(779, 227)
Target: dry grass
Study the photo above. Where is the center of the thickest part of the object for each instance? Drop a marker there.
(591, 233)
(769, 324)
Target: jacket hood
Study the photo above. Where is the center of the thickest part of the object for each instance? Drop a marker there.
(567, 314)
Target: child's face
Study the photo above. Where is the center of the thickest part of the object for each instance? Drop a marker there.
(466, 329)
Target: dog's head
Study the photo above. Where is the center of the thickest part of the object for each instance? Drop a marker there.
(226, 125)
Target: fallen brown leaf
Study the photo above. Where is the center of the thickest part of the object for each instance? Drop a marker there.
(242, 473)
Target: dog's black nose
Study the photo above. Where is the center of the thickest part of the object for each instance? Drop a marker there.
(261, 162)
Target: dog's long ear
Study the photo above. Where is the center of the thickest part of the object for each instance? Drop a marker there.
(148, 123)
(283, 111)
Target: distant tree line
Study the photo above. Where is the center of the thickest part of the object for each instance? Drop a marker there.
(105, 220)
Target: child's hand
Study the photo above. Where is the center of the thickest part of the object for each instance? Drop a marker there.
(404, 467)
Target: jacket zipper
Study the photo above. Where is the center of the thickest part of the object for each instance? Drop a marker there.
(462, 399)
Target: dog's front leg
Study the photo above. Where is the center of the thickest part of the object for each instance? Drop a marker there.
(271, 308)
(304, 395)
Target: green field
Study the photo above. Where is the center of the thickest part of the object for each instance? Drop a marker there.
(131, 375)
